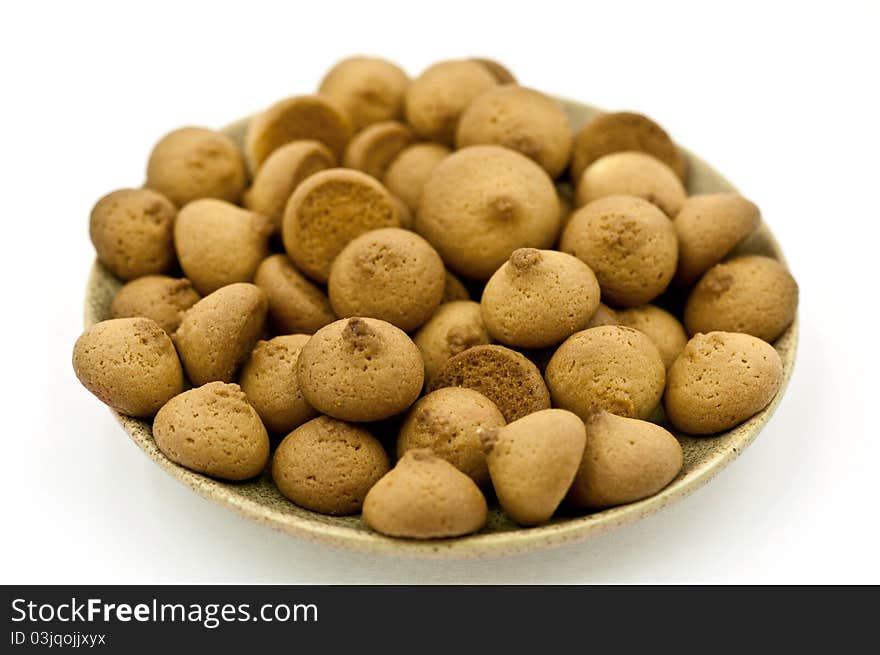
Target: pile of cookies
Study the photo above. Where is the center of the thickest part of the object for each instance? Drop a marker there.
(402, 297)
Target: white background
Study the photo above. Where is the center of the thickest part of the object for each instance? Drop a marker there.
(780, 97)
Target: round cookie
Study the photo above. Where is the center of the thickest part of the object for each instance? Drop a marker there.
(367, 89)
(295, 304)
(504, 376)
(533, 461)
(435, 100)
(268, 379)
(132, 231)
(328, 210)
(425, 497)
(708, 227)
(360, 369)
(404, 214)
(624, 131)
(625, 460)
(500, 72)
(521, 119)
(632, 174)
(408, 172)
(720, 380)
(629, 244)
(328, 466)
(603, 315)
(454, 289)
(218, 333)
(482, 203)
(539, 298)
(294, 119)
(448, 421)
(158, 297)
(281, 173)
(219, 244)
(195, 162)
(213, 430)
(374, 148)
(129, 364)
(391, 274)
(611, 367)
(663, 328)
(454, 327)
(752, 294)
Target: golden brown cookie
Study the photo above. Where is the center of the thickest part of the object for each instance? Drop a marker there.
(533, 461)
(521, 119)
(624, 131)
(752, 294)
(218, 333)
(213, 430)
(611, 367)
(129, 364)
(482, 203)
(454, 327)
(132, 231)
(625, 460)
(268, 379)
(408, 172)
(367, 89)
(539, 298)
(294, 119)
(454, 289)
(158, 297)
(425, 497)
(374, 148)
(504, 376)
(629, 244)
(281, 173)
(632, 174)
(708, 227)
(194, 162)
(603, 315)
(391, 274)
(498, 70)
(218, 243)
(328, 466)
(295, 304)
(360, 369)
(328, 210)
(662, 328)
(448, 422)
(720, 380)
(435, 100)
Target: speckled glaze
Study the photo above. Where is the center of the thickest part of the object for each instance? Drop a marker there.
(260, 501)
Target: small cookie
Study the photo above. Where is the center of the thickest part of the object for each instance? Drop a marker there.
(295, 119)
(408, 172)
(367, 89)
(213, 430)
(448, 422)
(374, 148)
(612, 367)
(391, 274)
(328, 466)
(752, 294)
(281, 173)
(500, 72)
(132, 231)
(504, 376)
(218, 333)
(296, 305)
(632, 174)
(360, 369)
(539, 298)
(129, 364)
(603, 315)
(195, 162)
(720, 380)
(268, 379)
(219, 244)
(327, 211)
(663, 328)
(628, 243)
(425, 497)
(454, 327)
(158, 297)
(454, 289)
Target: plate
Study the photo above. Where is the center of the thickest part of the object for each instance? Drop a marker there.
(260, 501)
